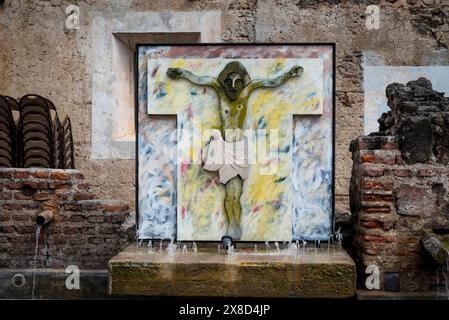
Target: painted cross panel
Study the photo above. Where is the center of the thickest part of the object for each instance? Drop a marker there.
(179, 199)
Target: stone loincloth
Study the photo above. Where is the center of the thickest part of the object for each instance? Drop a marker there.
(230, 159)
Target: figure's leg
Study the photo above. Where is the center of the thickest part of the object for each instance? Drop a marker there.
(229, 211)
(238, 207)
(233, 207)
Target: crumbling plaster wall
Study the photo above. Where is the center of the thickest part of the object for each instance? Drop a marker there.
(38, 54)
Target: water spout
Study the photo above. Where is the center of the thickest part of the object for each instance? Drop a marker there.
(44, 217)
(227, 244)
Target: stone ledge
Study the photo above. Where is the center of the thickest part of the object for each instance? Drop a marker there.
(389, 295)
(135, 272)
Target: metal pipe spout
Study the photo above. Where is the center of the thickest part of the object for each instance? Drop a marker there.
(228, 243)
(44, 217)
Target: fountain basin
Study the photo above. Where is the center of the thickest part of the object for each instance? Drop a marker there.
(51, 284)
(321, 274)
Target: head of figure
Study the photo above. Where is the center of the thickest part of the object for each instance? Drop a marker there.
(233, 78)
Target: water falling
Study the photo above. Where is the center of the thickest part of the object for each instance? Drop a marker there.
(36, 251)
(255, 248)
(184, 249)
(304, 243)
(230, 251)
(444, 272)
(267, 245)
(447, 270)
(171, 248)
(150, 246)
(139, 244)
(438, 279)
(292, 248)
(339, 238)
(276, 244)
(194, 247)
(160, 246)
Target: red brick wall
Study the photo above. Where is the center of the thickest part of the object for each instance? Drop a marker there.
(85, 231)
(393, 206)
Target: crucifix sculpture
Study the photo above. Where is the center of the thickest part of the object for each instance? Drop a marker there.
(234, 88)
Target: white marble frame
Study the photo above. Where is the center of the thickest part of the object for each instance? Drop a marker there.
(114, 36)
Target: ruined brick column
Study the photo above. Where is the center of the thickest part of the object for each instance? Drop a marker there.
(399, 188)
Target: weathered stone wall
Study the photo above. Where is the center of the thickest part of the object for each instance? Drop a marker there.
(393, 206)
(398, 195)
(85, 231)
(39, 55)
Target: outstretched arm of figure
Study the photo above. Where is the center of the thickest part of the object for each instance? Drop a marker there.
(295, 71)
(176, 73)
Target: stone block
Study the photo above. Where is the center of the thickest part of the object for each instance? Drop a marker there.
(414, 201)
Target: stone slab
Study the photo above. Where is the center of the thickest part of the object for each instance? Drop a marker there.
(324, 273)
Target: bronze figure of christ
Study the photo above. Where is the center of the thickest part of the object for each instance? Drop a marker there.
(234, 88)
